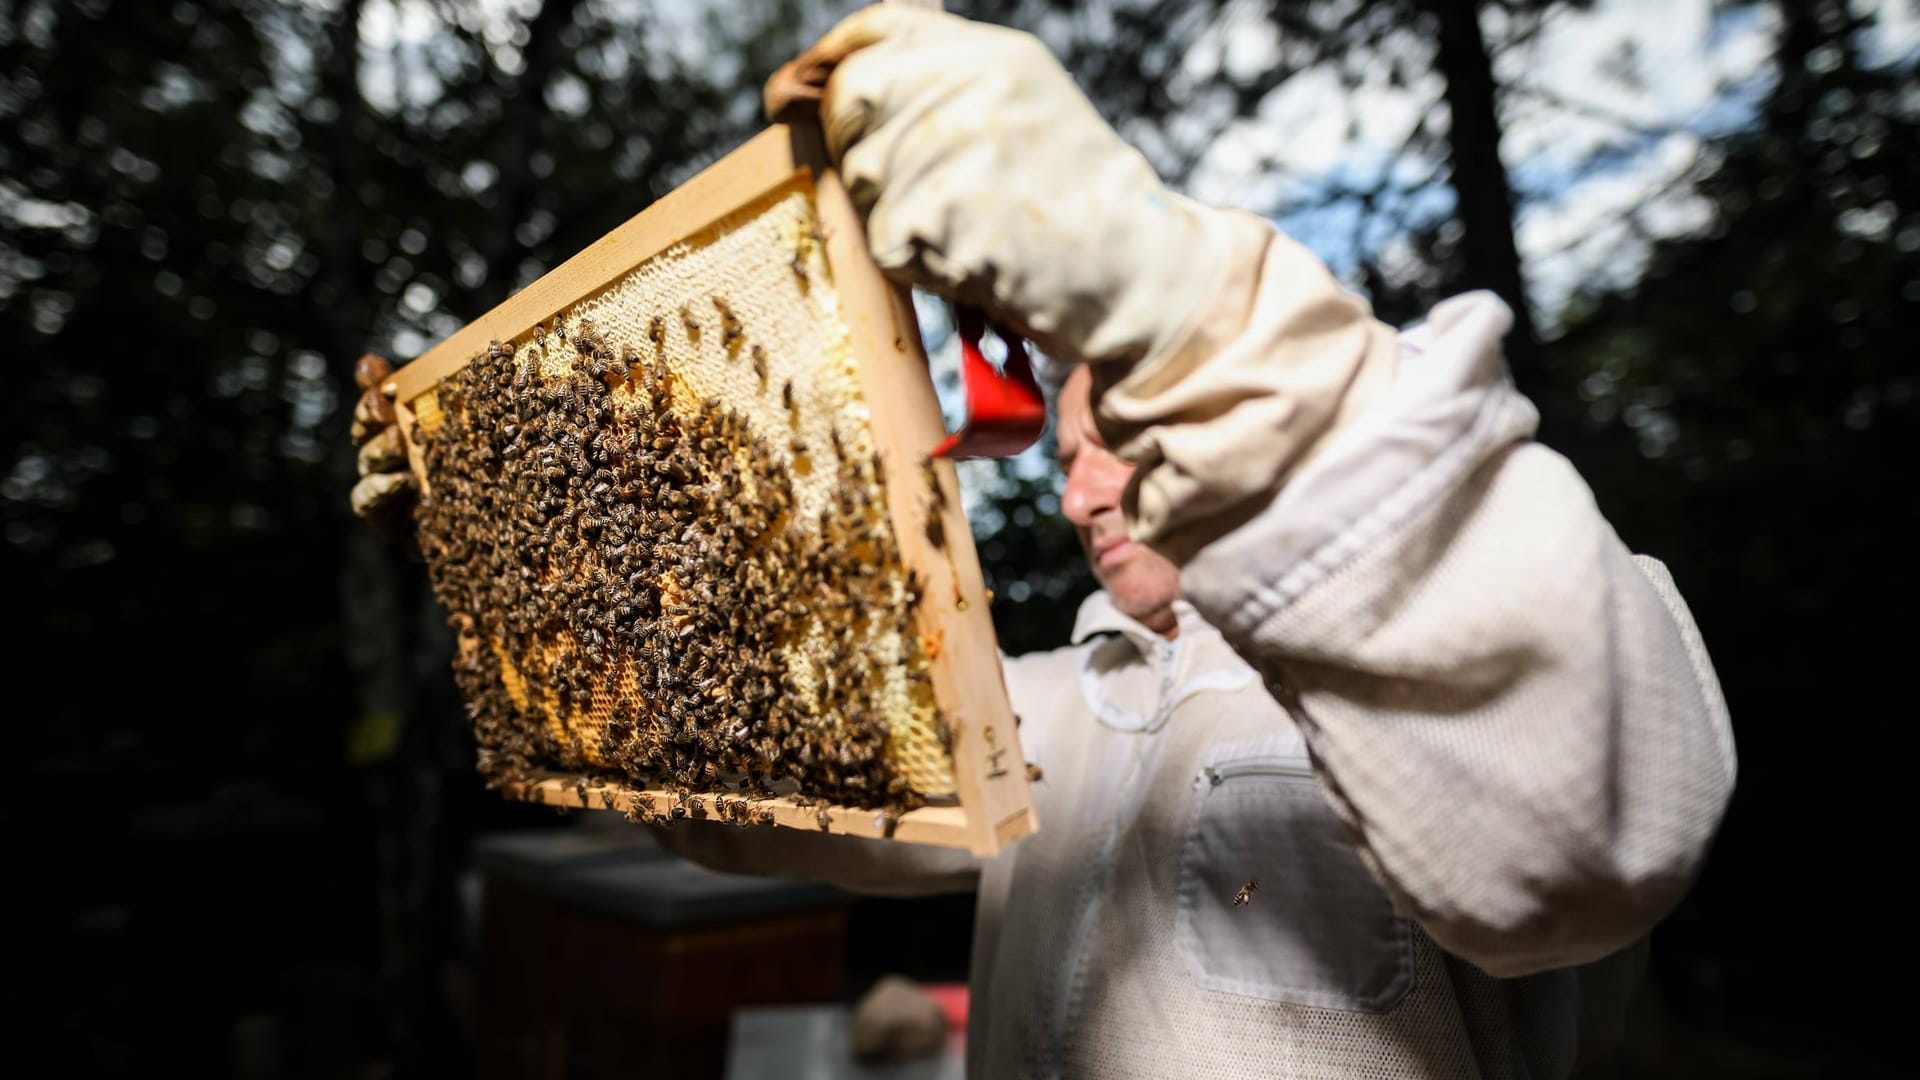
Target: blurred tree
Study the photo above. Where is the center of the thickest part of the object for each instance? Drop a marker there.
(1490, 258)
(1029, 552)
(1139, 63)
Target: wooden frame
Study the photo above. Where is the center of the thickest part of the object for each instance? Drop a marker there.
(993, 804)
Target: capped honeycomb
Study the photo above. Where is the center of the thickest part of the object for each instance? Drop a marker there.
(659, 525)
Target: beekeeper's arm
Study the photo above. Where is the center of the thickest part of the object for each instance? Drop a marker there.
(1515, 714)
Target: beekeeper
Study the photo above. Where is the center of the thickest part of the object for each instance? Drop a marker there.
(1378, 754)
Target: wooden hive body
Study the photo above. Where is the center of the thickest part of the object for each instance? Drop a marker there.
(848, 609)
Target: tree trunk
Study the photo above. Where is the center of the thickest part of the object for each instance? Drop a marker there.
(520, 131)
(1492, 260)
(388, 617)
(343, 285)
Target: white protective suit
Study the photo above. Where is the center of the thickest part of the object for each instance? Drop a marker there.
(1469, 747)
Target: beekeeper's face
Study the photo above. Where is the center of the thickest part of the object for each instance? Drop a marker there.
(1141, 581)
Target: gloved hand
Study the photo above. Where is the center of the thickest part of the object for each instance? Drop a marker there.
(986, 176)
(1223, 354)
(386, 486)
(896, 1021)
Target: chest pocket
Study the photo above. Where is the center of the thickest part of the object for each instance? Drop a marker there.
(1312, 926)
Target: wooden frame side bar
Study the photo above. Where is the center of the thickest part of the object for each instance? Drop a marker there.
(954, 614)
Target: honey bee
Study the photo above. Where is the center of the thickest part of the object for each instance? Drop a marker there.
(1245, 895)
(930, 474)
(730, 330)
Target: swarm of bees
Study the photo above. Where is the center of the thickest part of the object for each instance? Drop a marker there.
(611, 546)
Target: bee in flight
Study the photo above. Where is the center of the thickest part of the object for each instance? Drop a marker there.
(1245, 895)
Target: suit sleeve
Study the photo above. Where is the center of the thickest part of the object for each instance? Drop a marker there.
(1515, 715)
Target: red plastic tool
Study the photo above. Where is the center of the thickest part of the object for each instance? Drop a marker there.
(1005, 410)
(952, 999)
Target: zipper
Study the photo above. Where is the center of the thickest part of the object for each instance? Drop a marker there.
(1166, 654)
(1287, 768)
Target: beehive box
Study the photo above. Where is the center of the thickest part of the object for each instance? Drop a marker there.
(678, 503)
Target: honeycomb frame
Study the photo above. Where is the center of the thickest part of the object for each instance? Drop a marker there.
(990, 805)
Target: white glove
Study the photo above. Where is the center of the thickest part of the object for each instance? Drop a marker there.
(386, 486)
(986, 176)
(1224, 354)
